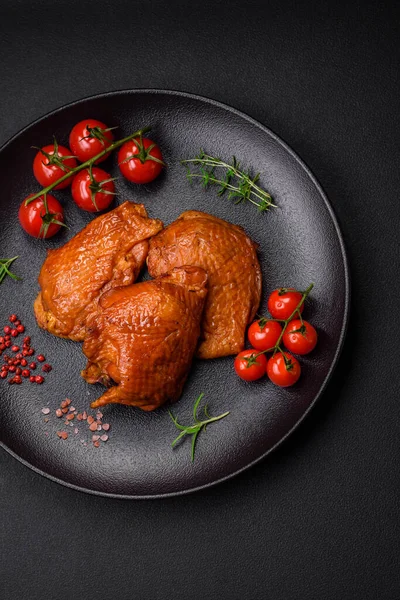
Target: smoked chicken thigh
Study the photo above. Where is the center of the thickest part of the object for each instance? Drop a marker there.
(144, 337)
(229, 257)
(109, 252)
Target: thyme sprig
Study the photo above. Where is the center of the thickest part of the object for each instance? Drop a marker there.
(252, 359)
(240, 185)
(5, 264)
(198, 426)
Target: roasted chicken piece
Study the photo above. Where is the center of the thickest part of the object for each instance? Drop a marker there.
(109, 252)
(234, 276)
(144, 337)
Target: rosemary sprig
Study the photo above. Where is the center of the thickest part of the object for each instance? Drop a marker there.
(196, 427)
(5, 264)
(230, 178)
(252, 359)
(87, 163)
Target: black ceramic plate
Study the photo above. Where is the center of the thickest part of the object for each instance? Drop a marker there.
(299, 242)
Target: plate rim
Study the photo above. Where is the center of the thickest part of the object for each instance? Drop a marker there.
(347, 279)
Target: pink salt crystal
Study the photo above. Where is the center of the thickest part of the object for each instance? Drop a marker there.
(106, 426)
(98, 427)
(59, 413)
(76, 430)
(45, 411)
(104, 437)
(95, 438)
(99, 415)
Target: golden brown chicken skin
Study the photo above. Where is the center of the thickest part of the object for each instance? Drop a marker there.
(229, 257)
(109, 252)
(144, 337)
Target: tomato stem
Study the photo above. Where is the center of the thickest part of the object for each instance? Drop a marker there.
(143, 154)
(285, 322)
(87, 163)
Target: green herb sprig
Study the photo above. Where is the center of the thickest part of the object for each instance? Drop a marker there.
(5, 264)
(239, 184)
(194, 429)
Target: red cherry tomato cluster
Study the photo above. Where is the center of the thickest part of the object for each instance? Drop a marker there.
(140, 161)
(285, 327)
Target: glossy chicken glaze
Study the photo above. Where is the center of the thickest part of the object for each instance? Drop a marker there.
(109, 252)
(144, 337)
(229, 257)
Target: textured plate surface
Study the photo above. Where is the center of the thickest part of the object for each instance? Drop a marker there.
(299, 243)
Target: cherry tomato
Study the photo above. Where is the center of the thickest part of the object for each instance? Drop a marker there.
(249, 366)
(264, 334)
(300, 337)
(283, 301)
(34, 219)
(140, 160)
(90, 137)
(51, 163)
(283, 369)
(93, 195)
